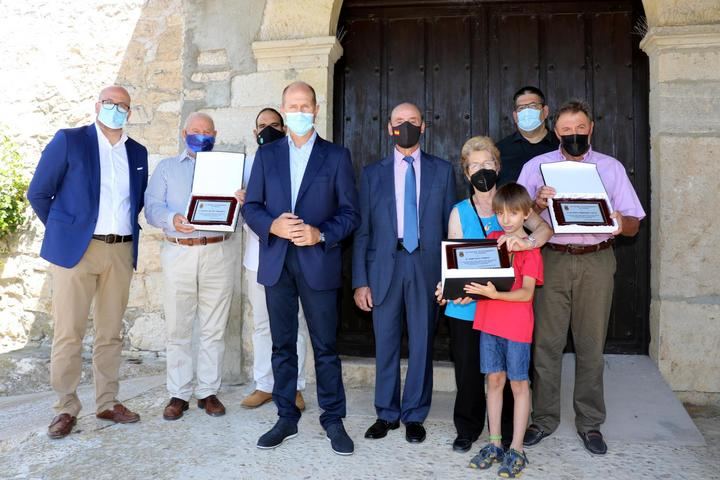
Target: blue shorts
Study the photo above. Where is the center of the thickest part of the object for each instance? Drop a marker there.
(502, 355)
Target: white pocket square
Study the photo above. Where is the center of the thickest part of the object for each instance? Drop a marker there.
(139, 168)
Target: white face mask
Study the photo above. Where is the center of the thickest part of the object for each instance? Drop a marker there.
(299, 123)
(112, 117)
(529, 119)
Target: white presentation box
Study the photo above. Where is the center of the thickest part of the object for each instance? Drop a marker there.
(459, 258)
(581, 204)
(212, 205)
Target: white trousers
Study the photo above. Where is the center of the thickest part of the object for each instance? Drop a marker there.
(198, 292)
(262, 341)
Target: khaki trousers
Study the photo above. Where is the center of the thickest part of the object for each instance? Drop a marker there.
(104, 272)
(577, 292)
(198, 293)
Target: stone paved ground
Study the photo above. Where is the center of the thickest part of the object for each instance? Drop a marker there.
(199, 446)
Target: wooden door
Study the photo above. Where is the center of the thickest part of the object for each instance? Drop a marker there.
(461, 62)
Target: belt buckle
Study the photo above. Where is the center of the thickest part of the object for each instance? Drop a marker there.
(203, 240)
(574, 249)
(110, 238)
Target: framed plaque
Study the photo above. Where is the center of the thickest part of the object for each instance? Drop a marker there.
(479, 261)
(581, 204)
(212, 205)
(582, 211)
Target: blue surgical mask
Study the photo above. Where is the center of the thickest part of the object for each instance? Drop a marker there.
(529, 119)
(112, 117)
(197, 142)
(299, 123)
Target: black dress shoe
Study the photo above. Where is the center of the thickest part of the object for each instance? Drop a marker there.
(594, 443)
(380, 428)
(414, 432)
(462, 444)
(533, 435)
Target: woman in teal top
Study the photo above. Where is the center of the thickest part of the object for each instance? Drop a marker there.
(475, 218)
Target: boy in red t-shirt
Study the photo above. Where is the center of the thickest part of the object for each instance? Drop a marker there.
(505, 322)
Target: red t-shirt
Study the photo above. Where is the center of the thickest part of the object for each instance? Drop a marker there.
(512, 320)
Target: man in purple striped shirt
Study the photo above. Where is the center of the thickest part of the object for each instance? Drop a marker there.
(579, 280)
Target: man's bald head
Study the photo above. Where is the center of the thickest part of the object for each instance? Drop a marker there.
(404, 112)
(300, 86)
(199, 120)
(116, 93)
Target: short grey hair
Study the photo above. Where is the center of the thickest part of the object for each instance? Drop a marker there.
(195, 115)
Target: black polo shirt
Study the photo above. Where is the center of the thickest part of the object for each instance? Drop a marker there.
(515, 151)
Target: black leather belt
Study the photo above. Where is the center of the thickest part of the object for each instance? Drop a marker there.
(112, 238)
(581, 249)
(401, 246)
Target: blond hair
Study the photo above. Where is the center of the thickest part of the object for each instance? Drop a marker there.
(478, 144)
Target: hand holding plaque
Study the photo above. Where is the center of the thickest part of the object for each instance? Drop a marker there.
(478, 261)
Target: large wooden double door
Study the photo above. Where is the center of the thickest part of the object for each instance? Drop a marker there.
(461, 62)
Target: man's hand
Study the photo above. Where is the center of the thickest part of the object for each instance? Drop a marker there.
(282, 225)
(240, 195)
(542, 196)
(627, 226)
(182, 224)
(304, 235)
(363, 298)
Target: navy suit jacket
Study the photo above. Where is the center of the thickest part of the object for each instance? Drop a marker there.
(65, 193)
(375, 244)
(327, 200)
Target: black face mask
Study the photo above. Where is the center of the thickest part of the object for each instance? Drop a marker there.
(406, 135)
(575, 145)
(269, 134)
(484, 180)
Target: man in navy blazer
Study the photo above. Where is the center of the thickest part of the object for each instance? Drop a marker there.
(301, 201)
(88, 190)
(405, 203)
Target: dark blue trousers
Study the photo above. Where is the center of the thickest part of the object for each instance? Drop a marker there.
(408, 293)
(321, 313)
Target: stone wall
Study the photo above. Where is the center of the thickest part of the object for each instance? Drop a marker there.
(683, 44)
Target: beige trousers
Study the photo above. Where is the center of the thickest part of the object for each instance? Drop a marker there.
(198, 293)
(104, 272)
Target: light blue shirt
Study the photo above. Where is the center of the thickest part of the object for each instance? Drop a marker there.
(299, 158)
(168, 193)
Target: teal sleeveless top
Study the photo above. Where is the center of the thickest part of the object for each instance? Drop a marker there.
(470, 229)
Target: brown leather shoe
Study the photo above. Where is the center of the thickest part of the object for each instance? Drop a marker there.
(61, 425)
(256, 399)
(119, 414)
(300, 401)
(175, 408)
(212, 405)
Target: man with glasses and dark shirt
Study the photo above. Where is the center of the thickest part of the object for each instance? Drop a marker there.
(532, 137)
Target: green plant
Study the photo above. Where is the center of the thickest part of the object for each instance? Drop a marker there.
(13, 185)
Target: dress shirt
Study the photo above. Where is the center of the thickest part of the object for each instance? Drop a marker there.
(516, 150)
(400, 167)
(251, 258)
(614, 177)
(299, 158)
(114, 208)
(168, 193)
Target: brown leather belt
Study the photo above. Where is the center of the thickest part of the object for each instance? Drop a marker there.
(191, 242)
(581, 249)
(112, 238)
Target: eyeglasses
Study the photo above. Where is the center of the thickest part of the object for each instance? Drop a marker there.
(109, 105)
(533, 105)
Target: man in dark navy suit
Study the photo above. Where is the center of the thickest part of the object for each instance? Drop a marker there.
(301, 202)
(88, 191)
(405, 203)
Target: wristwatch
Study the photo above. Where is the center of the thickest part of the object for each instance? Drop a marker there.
(322, 237)
(533, 241)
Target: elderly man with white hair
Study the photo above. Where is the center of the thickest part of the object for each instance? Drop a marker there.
(198, 269)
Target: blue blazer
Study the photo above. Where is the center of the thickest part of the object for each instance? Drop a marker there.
(375, 244)
(327, 200)
(65, 193)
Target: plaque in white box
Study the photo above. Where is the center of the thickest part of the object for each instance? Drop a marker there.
(480, 261)
(212, 205)
(581, 204)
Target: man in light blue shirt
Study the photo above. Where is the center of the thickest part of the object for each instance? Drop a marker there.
(198, 271)
(299, 157)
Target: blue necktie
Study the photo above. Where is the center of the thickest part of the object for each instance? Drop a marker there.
(410, 227)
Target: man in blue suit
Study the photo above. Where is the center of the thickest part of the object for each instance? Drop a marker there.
(301, 202)
(88, 191)
(405, 203)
